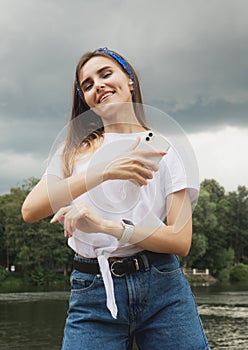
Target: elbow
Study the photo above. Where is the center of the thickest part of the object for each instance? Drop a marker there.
(180, 244)
(184, 251)
(185, 246)
(27, 214)
(185, 240)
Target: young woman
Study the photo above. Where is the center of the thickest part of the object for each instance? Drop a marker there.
(112, 199)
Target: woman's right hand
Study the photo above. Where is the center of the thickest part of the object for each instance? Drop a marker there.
(133, 164)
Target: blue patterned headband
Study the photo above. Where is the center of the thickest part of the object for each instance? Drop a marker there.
(122, 62)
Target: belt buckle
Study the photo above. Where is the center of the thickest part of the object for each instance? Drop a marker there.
(112, 268)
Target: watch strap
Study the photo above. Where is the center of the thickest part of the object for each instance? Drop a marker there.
(128, 231)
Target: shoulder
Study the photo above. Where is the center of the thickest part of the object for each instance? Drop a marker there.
(180, 171)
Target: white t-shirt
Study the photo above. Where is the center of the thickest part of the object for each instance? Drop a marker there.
(123, 199)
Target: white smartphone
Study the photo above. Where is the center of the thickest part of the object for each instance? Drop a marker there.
(152, 141)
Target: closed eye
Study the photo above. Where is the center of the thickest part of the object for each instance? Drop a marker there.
(87, 87)
(106, 75)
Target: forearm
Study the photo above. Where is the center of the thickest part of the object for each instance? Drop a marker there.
(174, 238)
(163, 239)
(52, 193)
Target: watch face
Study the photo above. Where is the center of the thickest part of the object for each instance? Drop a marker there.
(128, 222)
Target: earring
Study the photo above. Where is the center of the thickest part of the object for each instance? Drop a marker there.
(130, 82)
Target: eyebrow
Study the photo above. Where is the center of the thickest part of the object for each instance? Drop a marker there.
(98, 72)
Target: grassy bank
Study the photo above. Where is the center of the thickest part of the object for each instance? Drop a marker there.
(201, 279)
(14, 283)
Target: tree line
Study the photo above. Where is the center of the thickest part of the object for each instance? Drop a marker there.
(39, 250)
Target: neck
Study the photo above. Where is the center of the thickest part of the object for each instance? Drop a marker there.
(121, 120)
(124, 128)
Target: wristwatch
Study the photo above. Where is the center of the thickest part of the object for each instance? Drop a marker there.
(128, 230)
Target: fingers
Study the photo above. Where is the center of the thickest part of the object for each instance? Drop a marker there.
(148, 164)
(69, 216)
(122, 167)
(140, 173)
(59, 216)
(69, 225)
(148, 158)
(139, 168)
(150, 154)
(67, 234)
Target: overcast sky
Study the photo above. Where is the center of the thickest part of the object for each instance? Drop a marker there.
(191, 57)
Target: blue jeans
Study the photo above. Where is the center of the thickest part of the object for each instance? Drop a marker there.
(156, 306)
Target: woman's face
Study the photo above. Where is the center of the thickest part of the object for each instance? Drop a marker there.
(103, 81)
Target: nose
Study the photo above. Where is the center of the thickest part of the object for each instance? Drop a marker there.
(99, 85)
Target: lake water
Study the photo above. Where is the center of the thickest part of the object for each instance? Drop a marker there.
(36, 320)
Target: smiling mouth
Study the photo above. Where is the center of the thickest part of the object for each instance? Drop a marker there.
(105, 96)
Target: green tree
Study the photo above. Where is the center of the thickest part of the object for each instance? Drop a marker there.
(198, 249)
(209, 227)
(204, 224)
(32, 246)
(240, 273)
(238, 222)
(225, 262)
(3, 238)
(215, 190)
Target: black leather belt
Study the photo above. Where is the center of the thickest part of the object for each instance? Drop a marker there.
(122, 267)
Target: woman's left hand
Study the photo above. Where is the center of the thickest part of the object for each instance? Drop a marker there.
(78, 216)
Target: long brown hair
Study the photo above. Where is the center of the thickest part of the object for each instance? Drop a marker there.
(85, 127)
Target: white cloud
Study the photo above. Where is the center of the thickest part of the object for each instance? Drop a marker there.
(222, 155)
(17, 167)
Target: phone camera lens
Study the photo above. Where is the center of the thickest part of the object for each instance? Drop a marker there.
(147, 138)
(150, 134)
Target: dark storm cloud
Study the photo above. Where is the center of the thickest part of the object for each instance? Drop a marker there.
(215, 115)
(202, 115)
(191, 57)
